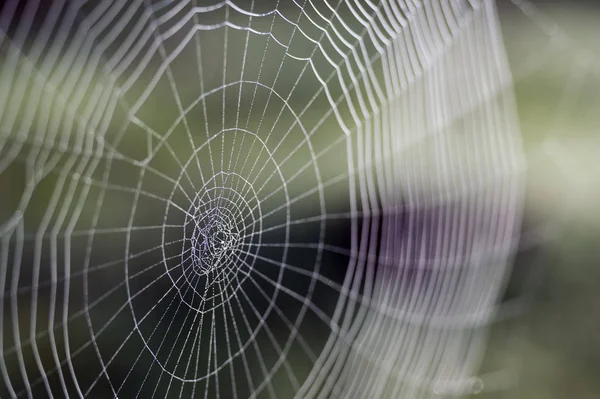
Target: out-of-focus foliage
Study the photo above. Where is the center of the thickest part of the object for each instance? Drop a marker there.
(558, 93)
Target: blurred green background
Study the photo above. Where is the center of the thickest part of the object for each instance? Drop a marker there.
(555, 56)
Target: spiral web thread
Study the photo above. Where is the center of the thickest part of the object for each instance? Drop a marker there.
(253, 198)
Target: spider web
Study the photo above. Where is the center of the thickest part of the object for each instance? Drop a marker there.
(248, 199)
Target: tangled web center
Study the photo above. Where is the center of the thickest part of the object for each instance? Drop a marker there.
(212, 240)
